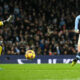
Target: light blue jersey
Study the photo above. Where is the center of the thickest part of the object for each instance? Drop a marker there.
(76, 28)
(77, 22)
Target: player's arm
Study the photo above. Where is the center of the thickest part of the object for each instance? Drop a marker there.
(77, 24)
(10, 18)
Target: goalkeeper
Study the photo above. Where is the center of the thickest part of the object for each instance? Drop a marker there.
(2, 23)
(78, 46)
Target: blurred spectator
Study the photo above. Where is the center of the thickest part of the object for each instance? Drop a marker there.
(42, 25)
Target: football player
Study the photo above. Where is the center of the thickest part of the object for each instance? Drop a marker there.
(78, 46)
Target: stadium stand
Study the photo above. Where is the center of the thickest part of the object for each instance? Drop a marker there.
(42, 25)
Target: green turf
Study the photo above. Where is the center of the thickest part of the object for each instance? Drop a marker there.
(39, 72)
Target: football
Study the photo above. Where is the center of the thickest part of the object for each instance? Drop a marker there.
(30, 54)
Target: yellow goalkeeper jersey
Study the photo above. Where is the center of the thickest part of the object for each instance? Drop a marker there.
(0, 50)
(1, 23)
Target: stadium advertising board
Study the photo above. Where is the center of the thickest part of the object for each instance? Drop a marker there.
(20, 59)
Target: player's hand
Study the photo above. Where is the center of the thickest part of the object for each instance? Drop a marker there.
(10, 18)
(76, 31)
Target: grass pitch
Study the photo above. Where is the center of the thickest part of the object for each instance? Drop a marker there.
(39, 72)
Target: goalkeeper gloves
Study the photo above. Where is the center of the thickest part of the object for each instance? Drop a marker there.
(10, 18)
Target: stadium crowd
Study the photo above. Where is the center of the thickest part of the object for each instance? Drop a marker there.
(45, 26)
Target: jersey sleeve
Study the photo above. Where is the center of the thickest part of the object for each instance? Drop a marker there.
(77, 22)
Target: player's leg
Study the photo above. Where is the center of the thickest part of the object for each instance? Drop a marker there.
(0, 53)
(78, 54)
